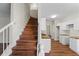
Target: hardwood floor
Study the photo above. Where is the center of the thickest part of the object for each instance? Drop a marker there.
(60, 50)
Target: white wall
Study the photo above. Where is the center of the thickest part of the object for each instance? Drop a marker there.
(21, 14)
(4, 14)
(34, 10)
(34, 13)
(43, 25)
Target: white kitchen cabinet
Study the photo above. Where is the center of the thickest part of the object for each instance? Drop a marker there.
(63, 27)
(74, 45)
(64, 40)
(60, 39)
(76, 26)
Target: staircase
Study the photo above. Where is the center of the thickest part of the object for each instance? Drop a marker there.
(27, 44)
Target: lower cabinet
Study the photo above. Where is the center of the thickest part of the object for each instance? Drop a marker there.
(64, 40)
(74, 45)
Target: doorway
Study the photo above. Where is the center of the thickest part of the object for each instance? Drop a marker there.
(58, 32)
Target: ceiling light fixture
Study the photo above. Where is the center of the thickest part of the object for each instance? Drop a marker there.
(53, 16)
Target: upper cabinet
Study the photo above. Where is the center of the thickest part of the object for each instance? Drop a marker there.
(63, 27)
(76, 26)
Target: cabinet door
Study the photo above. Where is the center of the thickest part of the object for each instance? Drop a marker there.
(60, 39)
(73, 44)
(76, 26)
(64, 40)
(63, 27)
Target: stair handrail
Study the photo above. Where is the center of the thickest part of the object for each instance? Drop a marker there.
(2, 30)
(5, 27)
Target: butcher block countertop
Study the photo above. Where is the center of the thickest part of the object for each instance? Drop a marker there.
(71, 36)
(74, 36)
(45, 36)
(64, 34)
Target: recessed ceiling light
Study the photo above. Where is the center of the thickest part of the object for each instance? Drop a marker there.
(53, 16)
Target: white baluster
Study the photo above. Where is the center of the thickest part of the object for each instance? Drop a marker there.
(6, 38)
(3, 40)
(8, 34)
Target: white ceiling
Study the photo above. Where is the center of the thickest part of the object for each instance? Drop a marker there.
(62, 10)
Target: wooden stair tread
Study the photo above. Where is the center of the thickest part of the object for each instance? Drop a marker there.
(26, 29)
(24, 53)
(26, 44)
(32, 33)
(31, 36)
(25, 41)
(31, 25)
(28, 37)
(28, 25)
(32, 22)
(24, 48)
